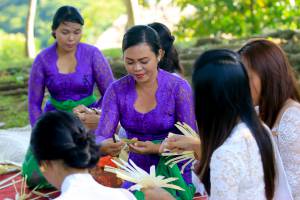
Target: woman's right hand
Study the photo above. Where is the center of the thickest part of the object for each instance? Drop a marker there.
(180, 143)
(110, 147)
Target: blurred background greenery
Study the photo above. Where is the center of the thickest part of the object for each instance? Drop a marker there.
(209, 24)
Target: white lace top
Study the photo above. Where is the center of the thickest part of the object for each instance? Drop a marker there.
(236, 170)
(288, 131)
(84, 187)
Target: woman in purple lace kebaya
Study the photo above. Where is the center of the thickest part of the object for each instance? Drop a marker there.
(68, 69)
(147, 102)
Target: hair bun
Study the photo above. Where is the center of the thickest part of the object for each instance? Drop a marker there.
(172, 38)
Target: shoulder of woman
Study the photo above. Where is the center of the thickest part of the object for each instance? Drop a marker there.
(122, 83)
(173, 80)
(293, 108)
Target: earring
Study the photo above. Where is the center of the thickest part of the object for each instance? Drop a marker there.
(43, 167)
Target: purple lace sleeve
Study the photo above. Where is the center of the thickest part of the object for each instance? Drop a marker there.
(110, 116)
(185, 105)
(36, 90)
(102, 73)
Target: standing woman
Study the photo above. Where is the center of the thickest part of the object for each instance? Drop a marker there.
(170, 60)
(147, 102)
(275, 91)
(69, 70)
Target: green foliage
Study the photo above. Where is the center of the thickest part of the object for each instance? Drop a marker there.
(98, 16)
(238, 17)
(12, 51)
(113, 53)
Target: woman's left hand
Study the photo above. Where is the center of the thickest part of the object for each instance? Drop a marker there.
(146, 147)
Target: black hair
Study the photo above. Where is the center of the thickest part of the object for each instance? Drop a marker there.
(170, 61)
(66, 14)
(222, 99)
(60, 135)
(141, 34)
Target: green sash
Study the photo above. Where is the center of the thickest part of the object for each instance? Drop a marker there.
(30, 167)
(68, 105)
(167, 171)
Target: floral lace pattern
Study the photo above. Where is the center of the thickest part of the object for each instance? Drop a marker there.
(236, 168)
(91, 68)
(288, 131)
(174, 102)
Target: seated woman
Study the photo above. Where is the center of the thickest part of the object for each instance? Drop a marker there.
(65, 151)
(236, 151)
(147, 102)
(276, 92)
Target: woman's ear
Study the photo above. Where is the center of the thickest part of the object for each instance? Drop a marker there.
(53, 33)
(44, 165)
(161, 54)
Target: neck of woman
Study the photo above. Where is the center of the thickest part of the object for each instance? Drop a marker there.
(62, 52)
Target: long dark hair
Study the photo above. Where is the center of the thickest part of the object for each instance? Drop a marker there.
(59, 135)
(278, 82)
(222, 99)
(66, 14)
(170, 61)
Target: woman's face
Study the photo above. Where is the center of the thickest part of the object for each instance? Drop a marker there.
(255, 85)
(141, 62)
(68, 35)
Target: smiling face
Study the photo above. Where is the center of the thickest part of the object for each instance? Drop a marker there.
(141, 62)
(68, 35)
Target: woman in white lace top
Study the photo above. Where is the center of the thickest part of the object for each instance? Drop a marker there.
(236, 153)
(275, 91)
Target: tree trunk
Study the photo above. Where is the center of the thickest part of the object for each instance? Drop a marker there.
(132, 10)
(30, 47)
(252, 17)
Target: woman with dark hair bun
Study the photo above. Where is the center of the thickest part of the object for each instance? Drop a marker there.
(69, 70)
(147, 102)
(276, 93)
(65, 150)
(170, 60)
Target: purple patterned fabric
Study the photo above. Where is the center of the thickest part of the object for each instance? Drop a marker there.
(174, 103)
(91, 68)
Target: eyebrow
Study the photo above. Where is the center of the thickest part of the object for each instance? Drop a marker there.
(66, 29)
(138, 59)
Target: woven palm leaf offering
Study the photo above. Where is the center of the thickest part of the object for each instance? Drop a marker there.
(132, 173)
(125, 140)
(187, 156)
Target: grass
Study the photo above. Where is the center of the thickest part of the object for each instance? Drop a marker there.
(13, 111)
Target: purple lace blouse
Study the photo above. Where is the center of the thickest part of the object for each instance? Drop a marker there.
(91, 68)
(174, 103)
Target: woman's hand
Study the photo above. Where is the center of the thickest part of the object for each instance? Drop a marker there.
(157, 193)
(89, 117)
(110, 147)
(81, 109)
(180, 143)
(146, 147)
